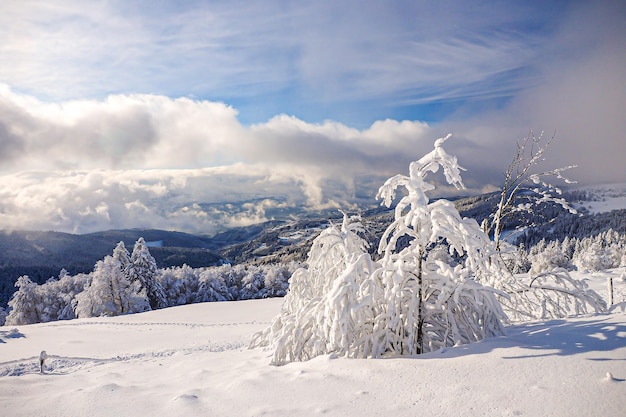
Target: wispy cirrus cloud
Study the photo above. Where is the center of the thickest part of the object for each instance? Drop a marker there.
(280, 52)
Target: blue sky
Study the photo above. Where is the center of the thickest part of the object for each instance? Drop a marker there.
(352, 61)
(302, 102)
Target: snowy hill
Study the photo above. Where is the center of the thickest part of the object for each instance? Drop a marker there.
(193, 360)
(604, 198)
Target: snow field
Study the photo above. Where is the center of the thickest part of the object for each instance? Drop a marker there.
(193, 360)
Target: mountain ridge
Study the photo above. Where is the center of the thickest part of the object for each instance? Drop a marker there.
(43, 254)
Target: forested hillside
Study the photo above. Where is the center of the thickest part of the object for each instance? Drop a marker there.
(42, 255)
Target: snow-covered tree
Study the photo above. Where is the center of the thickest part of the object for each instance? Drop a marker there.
(347, 304)
(276, 281)
(24, 305)
(253, 283)
(212, 286)
(121, 255)
(110, 292)
(429, 305)
(550, 257)
(143, 270)
(179, 283)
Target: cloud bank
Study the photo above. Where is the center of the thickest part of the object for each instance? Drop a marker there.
(82, 150)
(152, 161)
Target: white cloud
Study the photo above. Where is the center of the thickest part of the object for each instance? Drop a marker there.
(580, 100)
(148, 160)
(122, 131)
(93, 165)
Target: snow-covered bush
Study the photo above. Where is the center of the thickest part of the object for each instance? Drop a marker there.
(549, 258)
(345, 303)
(548, 290)
(554, 294)
(329, 304)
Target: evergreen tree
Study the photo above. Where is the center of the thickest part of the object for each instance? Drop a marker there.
(24, 305)
(142, 269)
(110, 292)
(121, 255)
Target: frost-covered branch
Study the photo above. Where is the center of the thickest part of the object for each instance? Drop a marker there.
(552, 294)
(519, 179)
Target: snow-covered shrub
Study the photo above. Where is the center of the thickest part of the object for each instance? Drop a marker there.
(548, 290)
(555, 294)
(549, 258)
(347, 304)
(328, 304)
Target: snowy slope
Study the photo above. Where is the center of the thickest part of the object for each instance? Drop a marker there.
(192, 360)
(604, 198)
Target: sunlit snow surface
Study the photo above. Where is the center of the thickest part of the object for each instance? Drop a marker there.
(604, 198)
(192, 360)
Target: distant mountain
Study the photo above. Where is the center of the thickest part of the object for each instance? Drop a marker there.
(41, 255)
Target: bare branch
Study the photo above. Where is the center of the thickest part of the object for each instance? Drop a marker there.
(519, 177)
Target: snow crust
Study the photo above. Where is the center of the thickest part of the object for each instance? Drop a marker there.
(194, 360)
